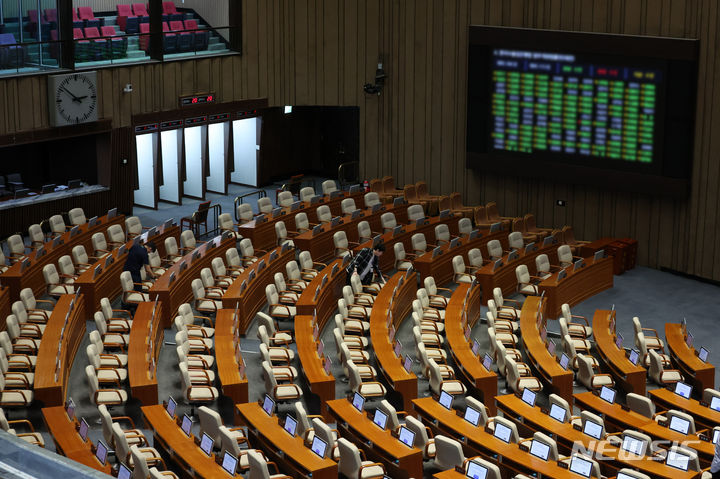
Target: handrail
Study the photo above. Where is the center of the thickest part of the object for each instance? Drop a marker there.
(341, 170)
(260, 193)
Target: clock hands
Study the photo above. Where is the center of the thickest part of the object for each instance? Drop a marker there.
(75, 99)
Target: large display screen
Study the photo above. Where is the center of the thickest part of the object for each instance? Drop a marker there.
(581, 107)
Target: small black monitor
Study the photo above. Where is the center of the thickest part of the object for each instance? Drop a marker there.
(229, 463)
(268, 405)
(74, 184)
(206, 444)
(83, 429)
(445, 400)
(123, 472)
(359, 402)
(48, 188)
(171, 405)
(318, 446)
(380, 419)
(101, 452)
(406, 436)
(186, 425)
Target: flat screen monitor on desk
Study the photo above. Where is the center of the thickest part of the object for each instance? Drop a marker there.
(679, 424)
(683, 390)
(540, 449)
(407, 437)
(502, 432)
(619, 340)
(48, 188)
(487, 362)
(607, 394)
(83, 429)
(634, 356)
(580, 466)
(101, 451)
(186, 425)
(380, 419)
(633, 445)
(70, 409)
(268, 405)
(593, 429)
(123, 472)
(318, 446)
(445, 400)
(472, 416)
(229, 463)
(74, 184)
(564, 361)
(715, 403)
(359, 402)
(557, 413)
(528, 397)
(716, 436)
(703, 354)
(476, 470)
(206, 444)
(170, 408)
(677, 460)
(290, 425)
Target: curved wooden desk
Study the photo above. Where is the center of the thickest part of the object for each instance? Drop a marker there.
(58, 349)
(631, 378)
(703, 415)
(387, 260)
(321, 384)
(560, 380)
(4, 306)
(595, 277)
(289, 453)
(440, 267)
(379, 445)
(67, 440)
(263, 234)
(468, 364)
(504, 277)
(701, 375)
(169, 439)
(567, 437)
(32, 277)
(173, 295)
(253, 297)
(476, 441)
(616, 418)
(233, 384)
(403, 382)
(322, 247)
(146, 337)
(107, 283)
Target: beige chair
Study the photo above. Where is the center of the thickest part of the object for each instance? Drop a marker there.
(282, 235)
(133, 436)
(588, 377)
(187, 242)
(192, 349)
(20, 357)
(30, 326)
(526, 284)
(423, 437)
(442, 234)
(141, 469)
(709, 394)
(515, 240)
(502, 354)
(80, 258)
(283, 373)
(193, 331)
(57, 226)
(277, 337)
(595, 466)
(356, 321)
(323, 213)
(31, 437)
(579, 342)
(352, 465)
(225, 222)
(548, 441)
(288, 294)
(483, 419)
(285, 199)
(419, 244)
(565, 256)
(210, 423)
(35, 314)
(278, 354)
(16, 248)
(353, 341)
(342, 245)
(459, 273)
(415, 212)
(517, 382)
(122, 448)
(475, 260)
(36, 236)
(222, 276)
(115, 236)
(68, 274)
(369, 389)
(365, 233)
(641, 345)
(115, 339)
(493, 469)
(671, 413)
(514, 435)
(652, 339)
(505, 308)
(464, 226)
(556, 400)
(643, 405)
(105, 375)
(15, 379)
(402, 262)
(328, 186)
(294, 276)
(543, 267)
(133, 226)
(433, 291)
(367, 372)
(438, 384)
(265, 205)
(203, 302)
(693, 462)
(248, 253)
(363, 293)
(279, 392)
(432, 344)
(330, 436)
(578, 326)
(229, 442)
(259, 466)
(77, 216)
(388, 222)
(106, 359)
(503, 320)
(234, 262)
(213, 289)
(495, 250)
(448, 453)
(130, 296)
(196, 393)
(426, 311)
(347, 206)
(54, 284)
(244, 213)
(659, 374)
(302, 224)
(372, 199)
(307, 193)
(504, 330)
(4, 266)
(24, 339)
(304, 426)
(122, 322)
(633, 473)
(109, 397)
(275, 308)
(172, 251)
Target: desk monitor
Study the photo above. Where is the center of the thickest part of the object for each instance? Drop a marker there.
(543, 334)
(407, 364)
(327, 365)
(445, 400)
(320, 348)
(683, 390)
(476, 470)
(678, 460)
(634, 356)
(633, 445)
(407, 437)
(539, 449)
(557, 413)
(318, 446)
(268, 405)
(564, 361)
(290, 425)
(229, 463)
(206, 444)
(497, 264)
(608, 394)
(454, 243)
(83, 429)
(513, 255)
(57, 241)
(475, 347)
(170, 408)
(487, 362)
(186, 425)
(70, 409)
(398, 348)
(716, 436)
(108, 261)
(689, 339)
(472, 416)
(548, 241)
(121, 250)
(48, 188)
(437, 251)
(359, 402)
(474, 234)
(562, 274)
(528, 397)
(74, 183)
(578, 264)
(715, 403)
(551, 347)
(679, 424)
(101, 451)
(598, 255)
(25, 264)
(502, 432)
(380, 419)
(581, 466)
(529, 248)
(444, 214)
(123, 472)
(377, 239)
(619, 340)
(495, 227)
(703, 354)
(592, 429)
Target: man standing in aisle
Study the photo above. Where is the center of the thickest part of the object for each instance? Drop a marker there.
(365, 263)
(137, 259)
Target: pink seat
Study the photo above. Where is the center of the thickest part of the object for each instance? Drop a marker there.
(140, 10)
(123, 13)
(51, 14)
(169, 8)
(86, 13)
(144, 39)
(75, 16)
(176, 26)
(78, 34)
(191, 25)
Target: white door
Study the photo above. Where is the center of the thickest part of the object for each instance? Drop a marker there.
(195, 138)
(146, 152)
(245, 146)
(171, 143)
(218, 141)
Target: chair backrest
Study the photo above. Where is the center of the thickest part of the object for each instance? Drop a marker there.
(92, 381)
(206, 277)
(77, 215)
(225, 222)
(418, 243)
(265, 205)
(514, 435)
(709, 394)
(340, 241)
(588, 416)
(126, 281)
(388, 221)
(328, 186)
(301, 222)
(513, 375)
(244, 212)
(542, 263)
(271, 294)
(141, 469)
(684, 416)
(66, 265)
(633, 473)
(399, 251)
(364, 231)
(233, 258)
(305, 260)
(415, 212)
(50, 274)
(347, 206)
(656, 366)
(187, 239)
(99, 244)
(560, 402)
(306, 193)
(464, 226)
(493, 469)
(171, 246)
(279, 281)
(36, 234)
(293, 271)
(100, 322)
(228, 443)
(198, 289)
(515, 240)
(495, 250)
(218, 267)
(448, 453)
(16, 245)
(564, 255)
(285, 199)
(246, 247)
(210, 423)
(258, 466)
(371, 199)
(80, 255)
(421, 435)
(57, 224)
(323, 214)
(585, 372)
(270, 381)
(442, 233)
(522, 274)
(324, 432)
(458, 264)
(693, 463)
(122, 448)
(476, 404)
(640, 404)
(350, 462)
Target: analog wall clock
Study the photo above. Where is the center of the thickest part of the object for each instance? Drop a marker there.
(72, 98)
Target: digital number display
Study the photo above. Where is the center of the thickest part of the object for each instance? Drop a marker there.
(197, 100)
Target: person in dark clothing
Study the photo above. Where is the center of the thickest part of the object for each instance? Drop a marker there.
(365, 263)
(137, 259)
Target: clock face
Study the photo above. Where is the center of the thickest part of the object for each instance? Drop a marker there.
(76, 99)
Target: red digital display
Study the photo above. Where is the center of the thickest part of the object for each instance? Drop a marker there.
(197, 100)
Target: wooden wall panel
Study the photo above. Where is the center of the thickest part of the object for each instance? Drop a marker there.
(321, 52)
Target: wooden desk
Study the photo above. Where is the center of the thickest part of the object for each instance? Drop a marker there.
(4, 306)
(50, 380)
(668, 437)
(616, 418)
(476, 441)
(630, 378)
(67, 440)
(233, 385)
(387, 260)
(326, 301)
(180, 449)
(577, 286)
(567, 437)
(379, 445)
(290, 453)
(263, 234)
(107, 283)
(504, 277)
(703, 415)
(32, 277)
(560, 380)
(701, 375)
(142, 343)
(253, 298)
(467, 363)
(403, 382)
(322, 247)
(179, 292)
(441, 267)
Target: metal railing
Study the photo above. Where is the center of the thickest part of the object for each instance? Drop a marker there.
(239, 200)
(345, 170)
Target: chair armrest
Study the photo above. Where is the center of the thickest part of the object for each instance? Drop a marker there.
(127, 419)
(23, 421)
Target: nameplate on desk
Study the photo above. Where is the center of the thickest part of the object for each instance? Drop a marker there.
(277, 212)
(397, 230)
(334, 269)
(523, 448)
(475, 234)
(315, 199)
(92, 221)
(530, 247)
(513, 256)
(273, 255)
(497, 264)
(296, 205)
(399, 201)
(260, 219)
(437, 251)
(335, 221)
(355, 214)
(377, 207)
(550, 240)
(563, 465)
(317, 230)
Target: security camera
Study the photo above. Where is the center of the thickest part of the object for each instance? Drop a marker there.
(128, 88)
(377, 87)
